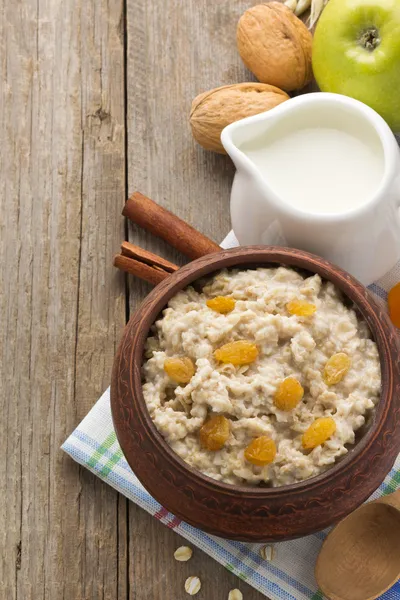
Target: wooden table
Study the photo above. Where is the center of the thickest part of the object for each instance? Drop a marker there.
(95, 96)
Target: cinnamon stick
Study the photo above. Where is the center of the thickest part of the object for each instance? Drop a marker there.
(150, 273)
(162, 223)
(143, 264)
(142, 255)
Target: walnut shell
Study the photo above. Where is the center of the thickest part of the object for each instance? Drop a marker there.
(214, 110)
(275, 45)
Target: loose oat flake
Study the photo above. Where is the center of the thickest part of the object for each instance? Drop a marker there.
(235, 595)
(192, 585)
(183, 553)
(267, 552)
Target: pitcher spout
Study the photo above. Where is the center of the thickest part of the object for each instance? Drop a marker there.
(240, 133)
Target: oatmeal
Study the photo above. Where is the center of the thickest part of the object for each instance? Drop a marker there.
(263, 377)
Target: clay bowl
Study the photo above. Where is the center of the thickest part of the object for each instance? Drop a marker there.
(242, 513)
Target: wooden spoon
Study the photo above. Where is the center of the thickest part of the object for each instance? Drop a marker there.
(360, 558)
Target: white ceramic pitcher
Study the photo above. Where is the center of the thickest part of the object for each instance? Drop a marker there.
(365, 241)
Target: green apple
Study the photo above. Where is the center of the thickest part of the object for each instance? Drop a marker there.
(356, 52)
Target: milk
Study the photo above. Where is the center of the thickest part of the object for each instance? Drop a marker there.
(321, 169)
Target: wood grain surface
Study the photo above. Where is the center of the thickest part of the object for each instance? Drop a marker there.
(94, 101)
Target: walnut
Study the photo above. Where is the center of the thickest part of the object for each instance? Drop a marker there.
(275, 45)
(214, 110)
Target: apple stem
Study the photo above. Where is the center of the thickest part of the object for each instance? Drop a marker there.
(370, 39)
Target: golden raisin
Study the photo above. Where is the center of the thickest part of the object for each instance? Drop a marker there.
(221, 304)
(301, 308)
(237, 353)
(260, 451)
(319, 432)
(336, 368)
(289, 393)
(214, 433)
(180, 370)
(394, 305)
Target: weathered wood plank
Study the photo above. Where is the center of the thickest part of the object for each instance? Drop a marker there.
(62, 186)
(175, 51)
(158, 576)
(62, 306)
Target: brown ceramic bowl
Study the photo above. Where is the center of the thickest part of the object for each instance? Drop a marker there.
(244, 513)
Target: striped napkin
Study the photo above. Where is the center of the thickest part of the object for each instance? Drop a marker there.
(289, 575)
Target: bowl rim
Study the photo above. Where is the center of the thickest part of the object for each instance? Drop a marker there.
(238, 257)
